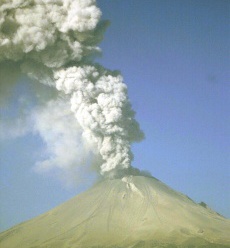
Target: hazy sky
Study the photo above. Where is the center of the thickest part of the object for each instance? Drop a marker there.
(174, 56)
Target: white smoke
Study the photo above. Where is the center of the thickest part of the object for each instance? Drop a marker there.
(61, 134)
(53, 42)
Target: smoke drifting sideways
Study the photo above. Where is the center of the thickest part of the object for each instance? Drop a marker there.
(54, 42)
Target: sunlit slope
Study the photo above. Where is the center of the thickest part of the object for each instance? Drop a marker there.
(134, 211)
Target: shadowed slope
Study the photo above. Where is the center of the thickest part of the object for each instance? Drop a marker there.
(135, 211)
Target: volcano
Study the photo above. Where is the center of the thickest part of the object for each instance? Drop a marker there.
(135, 211)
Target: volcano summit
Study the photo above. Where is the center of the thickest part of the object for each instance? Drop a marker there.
(135, 211)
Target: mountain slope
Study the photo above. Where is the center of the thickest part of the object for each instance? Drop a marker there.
(135, 211)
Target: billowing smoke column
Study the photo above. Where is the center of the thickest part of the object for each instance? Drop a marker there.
(54, 42)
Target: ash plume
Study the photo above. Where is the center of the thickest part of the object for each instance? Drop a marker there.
(54, 42)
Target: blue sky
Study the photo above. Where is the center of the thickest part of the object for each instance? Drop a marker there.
(174, 57)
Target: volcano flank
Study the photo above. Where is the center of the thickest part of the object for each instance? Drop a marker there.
(135, 211)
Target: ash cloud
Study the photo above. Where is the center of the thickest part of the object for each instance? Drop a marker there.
(53, 43)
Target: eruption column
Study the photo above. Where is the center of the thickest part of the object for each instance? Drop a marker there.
(53, 43)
